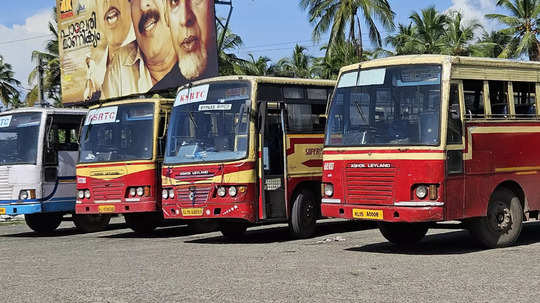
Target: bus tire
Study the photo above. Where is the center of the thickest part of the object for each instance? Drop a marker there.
(233, 230)
(43, 223)
(143, 223)
(91, 223)
(303, 220)
(503, 223)
(403, 234)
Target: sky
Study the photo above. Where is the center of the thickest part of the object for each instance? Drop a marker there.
(268, 27)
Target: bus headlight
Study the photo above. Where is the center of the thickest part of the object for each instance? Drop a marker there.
(221, 191)
(328, 189)
(171, 193)
(140, 191)
(421, 191)
(23, 195)
(132, 191)
(87, 194)
(80, 194)
(232, 191)
(165, 194)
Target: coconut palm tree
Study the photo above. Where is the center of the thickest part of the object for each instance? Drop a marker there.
(344, 54)
(430, 28)
(403, 41)
(9, 95)
(492, 45)
(297, 66)
(50, 64)
(342, 18)
(522, 24)
(260, 66)
(227, 59)
(458, 35)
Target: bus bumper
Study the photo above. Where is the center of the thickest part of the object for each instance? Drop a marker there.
(408, 214)
(115, 208)
(20, 209)
(243, 211)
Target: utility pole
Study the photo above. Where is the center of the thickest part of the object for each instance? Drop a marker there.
(41, 94)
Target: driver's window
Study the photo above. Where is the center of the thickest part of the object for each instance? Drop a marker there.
(454, 132)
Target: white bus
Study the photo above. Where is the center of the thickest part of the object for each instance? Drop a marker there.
(38, 153)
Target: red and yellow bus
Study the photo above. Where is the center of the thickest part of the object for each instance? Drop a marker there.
(120, 159)
(415, 140)
(246, 150)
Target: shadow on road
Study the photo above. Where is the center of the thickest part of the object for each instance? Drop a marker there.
(62, 232)
(455, 242)
(281, 233)
(168, 231)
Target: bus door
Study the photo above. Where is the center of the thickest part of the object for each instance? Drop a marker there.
(455, 178)
(273, 160)
(59, 162)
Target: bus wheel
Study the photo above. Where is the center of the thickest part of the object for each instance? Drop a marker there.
(303, 221)
(502, 225)
(91, 223)
(233, 230)
(403, 234)
(43, 223)
(143, 223)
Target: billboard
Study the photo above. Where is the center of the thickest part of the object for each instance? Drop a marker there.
(116, 48)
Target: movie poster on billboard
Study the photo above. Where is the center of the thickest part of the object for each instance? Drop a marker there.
(116, 48)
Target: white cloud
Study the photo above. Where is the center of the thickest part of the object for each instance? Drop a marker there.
(475, 10)
(19, 40)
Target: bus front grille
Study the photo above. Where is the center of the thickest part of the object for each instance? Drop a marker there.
(370, 186)
(193, 194)
(108, 191)
(5, 188)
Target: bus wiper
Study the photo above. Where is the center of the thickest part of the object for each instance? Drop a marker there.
(359, 109)
(193, 120)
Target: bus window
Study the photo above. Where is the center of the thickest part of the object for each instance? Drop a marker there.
(474, 98)
(498, 96)
(525, 99)
(454, 117)
(305, 117)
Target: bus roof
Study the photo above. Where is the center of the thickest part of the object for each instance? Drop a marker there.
(441, 59)
(48, 110)
(270, 80)
(163, 101)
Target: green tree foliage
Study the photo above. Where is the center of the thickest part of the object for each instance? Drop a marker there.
(344, 18)
(522, 24)
(50, 64)
(299, 65)
(9, 94)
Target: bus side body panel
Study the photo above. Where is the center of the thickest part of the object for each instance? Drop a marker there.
(304, 161)
(497, 153)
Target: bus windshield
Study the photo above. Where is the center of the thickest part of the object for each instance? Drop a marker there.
(209, 123)
(19, 136)
(118, 133)
(386, 107)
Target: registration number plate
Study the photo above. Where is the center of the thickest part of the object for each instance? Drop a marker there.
(2, 211)
(369, 214)
(192, 212)
(106, 209)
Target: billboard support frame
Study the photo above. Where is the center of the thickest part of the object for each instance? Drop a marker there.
(226, 26)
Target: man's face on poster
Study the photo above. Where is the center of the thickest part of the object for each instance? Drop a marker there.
(192, 25)
(115, 17)
(151, 30)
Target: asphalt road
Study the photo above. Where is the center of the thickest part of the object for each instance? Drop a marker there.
(345, 262)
